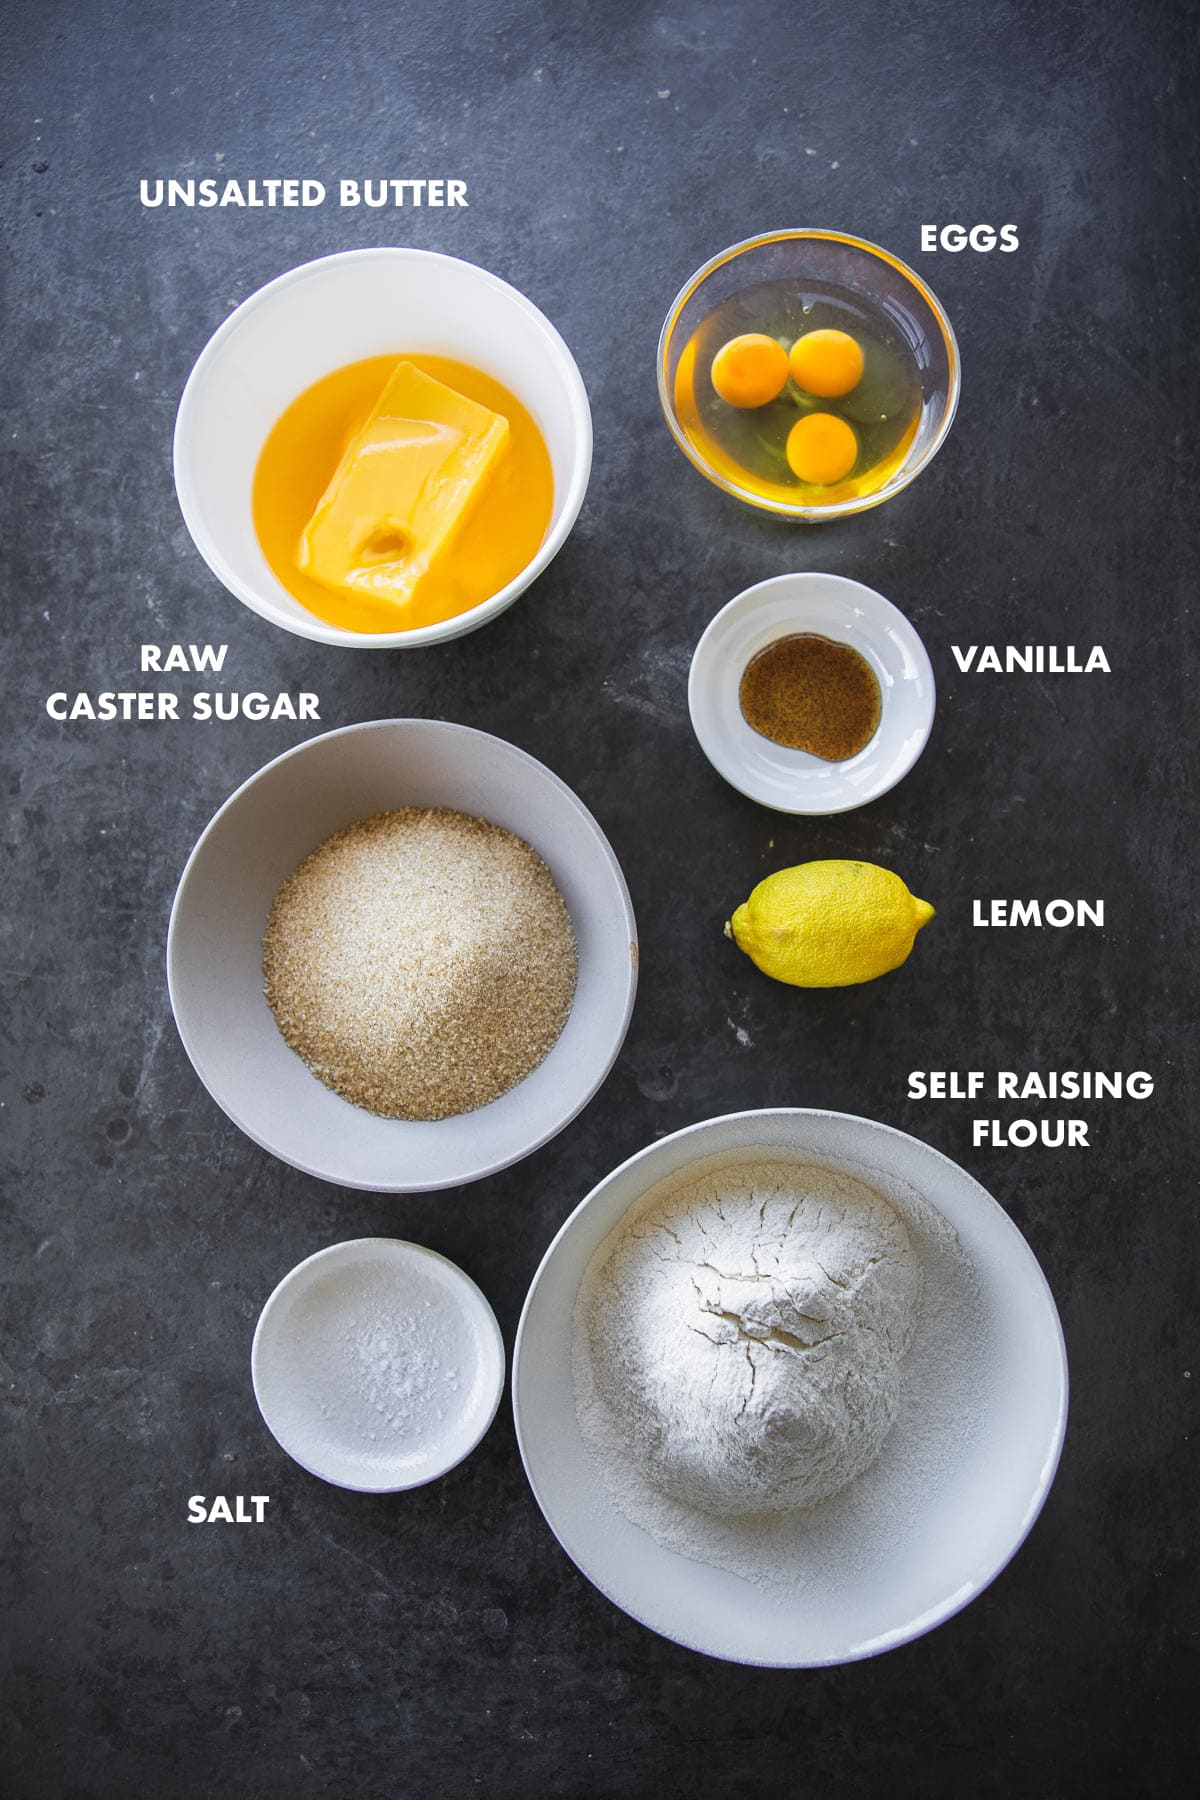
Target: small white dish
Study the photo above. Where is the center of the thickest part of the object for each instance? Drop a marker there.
(976, 1449)
(832, 606)
(273, 821)
(318, 318)
(377, 1365)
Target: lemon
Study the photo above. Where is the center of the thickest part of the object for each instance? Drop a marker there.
(829, 924)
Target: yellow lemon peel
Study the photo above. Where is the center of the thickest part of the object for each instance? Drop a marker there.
(829, 924)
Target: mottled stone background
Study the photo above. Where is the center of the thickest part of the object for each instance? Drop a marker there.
(441, 1644)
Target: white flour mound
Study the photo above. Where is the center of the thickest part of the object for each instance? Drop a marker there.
(853, 1303)
(747, 1334)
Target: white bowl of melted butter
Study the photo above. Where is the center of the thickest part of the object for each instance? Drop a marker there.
(327, 316)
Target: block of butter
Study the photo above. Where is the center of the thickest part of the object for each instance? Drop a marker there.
(404, 485)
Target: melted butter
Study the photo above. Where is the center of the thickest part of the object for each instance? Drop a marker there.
(497, 539)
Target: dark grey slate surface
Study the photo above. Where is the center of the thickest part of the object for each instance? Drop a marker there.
(441, 1644)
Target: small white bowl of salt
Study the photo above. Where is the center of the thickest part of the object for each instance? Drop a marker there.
(377, 1365)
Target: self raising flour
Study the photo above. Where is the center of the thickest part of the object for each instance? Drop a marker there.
(761, 1360)
(422, 962)
(747, 1336)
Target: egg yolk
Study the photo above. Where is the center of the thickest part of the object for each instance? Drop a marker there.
(827, 363)
(750, 370)
(821, 448)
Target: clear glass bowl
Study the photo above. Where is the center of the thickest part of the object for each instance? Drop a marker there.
(831, 263)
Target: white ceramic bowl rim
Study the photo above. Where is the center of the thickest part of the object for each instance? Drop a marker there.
(489, 1166)
(318, 630)
(476, 1299)
(860, 502)
(956, 1602)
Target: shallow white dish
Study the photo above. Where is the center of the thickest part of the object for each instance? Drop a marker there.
(334, 1392)
(898, 1573)
(794, 781)
(318, 318)
(214, 950)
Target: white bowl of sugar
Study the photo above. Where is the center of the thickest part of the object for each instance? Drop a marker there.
(339, 310)
(255, 843)
(377, 1365)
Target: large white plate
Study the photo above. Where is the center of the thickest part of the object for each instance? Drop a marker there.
(898, 1571)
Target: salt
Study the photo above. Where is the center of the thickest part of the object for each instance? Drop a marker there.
(388, 1364)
